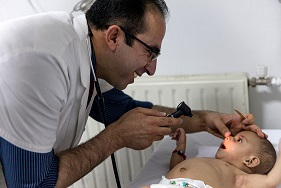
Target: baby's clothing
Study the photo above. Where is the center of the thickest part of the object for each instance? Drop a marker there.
(180, 182)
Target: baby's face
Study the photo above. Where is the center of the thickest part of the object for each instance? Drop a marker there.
(238, 147)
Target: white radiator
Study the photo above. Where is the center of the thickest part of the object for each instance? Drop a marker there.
(218, 92)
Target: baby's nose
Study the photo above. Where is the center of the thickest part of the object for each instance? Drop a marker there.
(229, 138)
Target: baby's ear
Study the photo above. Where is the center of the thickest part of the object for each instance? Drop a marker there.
(252, 161)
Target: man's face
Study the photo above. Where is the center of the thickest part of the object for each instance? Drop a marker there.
(237, 148)
(135, 60)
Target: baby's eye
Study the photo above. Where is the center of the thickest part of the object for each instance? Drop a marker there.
(239, 140)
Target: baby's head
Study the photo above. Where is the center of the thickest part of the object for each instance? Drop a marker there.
(248, 152)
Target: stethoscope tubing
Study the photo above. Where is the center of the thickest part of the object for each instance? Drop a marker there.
(102, 106)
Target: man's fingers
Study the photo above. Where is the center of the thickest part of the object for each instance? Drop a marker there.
(159, 137)
(165, 131)
(214, 133)
(249, 119)
(169, 121)
(256, 129)
(222, 129)
(151, 112)
(261, 134)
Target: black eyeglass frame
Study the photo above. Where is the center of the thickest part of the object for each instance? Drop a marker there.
(152, 50)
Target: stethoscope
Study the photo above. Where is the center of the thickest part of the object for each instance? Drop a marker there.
(102, 106)
(182, 108)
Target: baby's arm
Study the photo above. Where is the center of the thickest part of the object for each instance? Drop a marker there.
(180, 137)
(272, 179)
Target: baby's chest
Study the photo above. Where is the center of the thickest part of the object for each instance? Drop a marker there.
(215, 173)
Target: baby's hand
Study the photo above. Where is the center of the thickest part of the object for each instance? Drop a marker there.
(179, 136)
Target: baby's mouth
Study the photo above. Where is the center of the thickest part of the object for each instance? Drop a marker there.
(222, 146)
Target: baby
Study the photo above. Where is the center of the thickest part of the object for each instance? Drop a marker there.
(245, 160)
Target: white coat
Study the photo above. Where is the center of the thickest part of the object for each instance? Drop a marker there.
(44, 81)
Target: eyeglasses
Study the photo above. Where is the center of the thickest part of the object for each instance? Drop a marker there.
(153, 52)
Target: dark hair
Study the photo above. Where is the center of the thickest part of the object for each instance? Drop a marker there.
(129, 14)
(267, 156)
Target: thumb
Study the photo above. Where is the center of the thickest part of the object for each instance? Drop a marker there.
(224, 131)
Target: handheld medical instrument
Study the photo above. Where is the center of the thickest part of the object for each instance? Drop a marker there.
(240, 114)
(182, 109)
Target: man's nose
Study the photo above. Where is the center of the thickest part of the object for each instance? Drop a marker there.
(151, 67)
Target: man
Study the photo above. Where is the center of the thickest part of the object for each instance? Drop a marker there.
(45, 95)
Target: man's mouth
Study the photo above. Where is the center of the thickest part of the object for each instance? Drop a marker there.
(135, 75)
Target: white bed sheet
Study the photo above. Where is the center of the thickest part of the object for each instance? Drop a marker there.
(198, 145)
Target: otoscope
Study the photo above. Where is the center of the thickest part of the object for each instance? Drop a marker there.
(182, 109)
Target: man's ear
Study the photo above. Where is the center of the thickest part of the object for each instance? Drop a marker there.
(111, 36)
(252, 161)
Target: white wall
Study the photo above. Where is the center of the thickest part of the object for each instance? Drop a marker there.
(16, 8)
(208, 36)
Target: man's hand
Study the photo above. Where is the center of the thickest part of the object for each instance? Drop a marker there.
(138, 128)
(223, 125)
